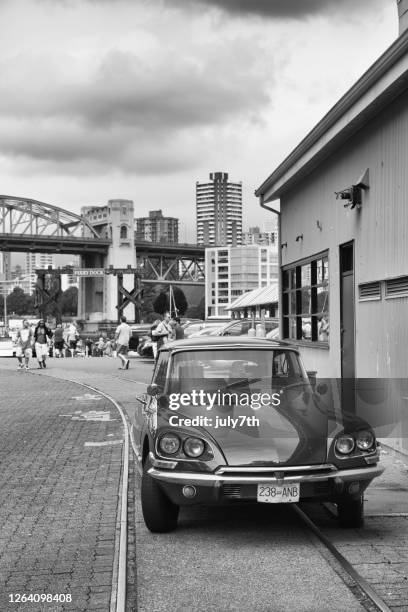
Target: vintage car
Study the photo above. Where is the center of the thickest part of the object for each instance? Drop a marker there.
(232, 420)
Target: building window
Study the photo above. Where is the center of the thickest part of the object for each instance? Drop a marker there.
(123, 232)
(305, 300)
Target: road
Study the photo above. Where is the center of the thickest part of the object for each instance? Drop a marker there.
(237, 558)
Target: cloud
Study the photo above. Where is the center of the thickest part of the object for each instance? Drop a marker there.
(291, 9)
(126, 111)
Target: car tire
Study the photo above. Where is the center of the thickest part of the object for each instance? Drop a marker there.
(159, 513)
(350, 512)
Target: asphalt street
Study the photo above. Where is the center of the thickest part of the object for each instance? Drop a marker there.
(252, 557)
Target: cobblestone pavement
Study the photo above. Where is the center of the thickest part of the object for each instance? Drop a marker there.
(61, 457)
(378, 550)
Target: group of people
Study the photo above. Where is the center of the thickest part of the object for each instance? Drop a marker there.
(166, 330)
(36, 341)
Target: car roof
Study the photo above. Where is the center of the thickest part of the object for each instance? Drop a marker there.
(203, 342)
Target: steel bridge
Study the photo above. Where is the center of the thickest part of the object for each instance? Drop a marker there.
(27, 225)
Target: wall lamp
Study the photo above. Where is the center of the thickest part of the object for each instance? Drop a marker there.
(284, 244)
(300, 237)
(353, 194)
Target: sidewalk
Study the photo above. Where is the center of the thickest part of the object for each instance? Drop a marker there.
(61, 458)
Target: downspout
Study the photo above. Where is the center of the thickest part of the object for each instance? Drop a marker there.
(280, 303)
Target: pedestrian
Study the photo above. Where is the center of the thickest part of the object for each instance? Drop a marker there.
(122, 337)
(108, 348)
(88, 347)
(100, 346)
(162, 331)
(72, 338)
(41, 334)
(24, 341)
(153, 337)
(58, 340)
(178, 329)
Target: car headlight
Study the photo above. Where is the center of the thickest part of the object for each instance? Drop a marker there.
(193, 447)
(344, 444)
(169, 443)
(365, 440)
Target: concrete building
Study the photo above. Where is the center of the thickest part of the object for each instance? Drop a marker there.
(232, 271)
(5, 266)
(156, 228)
(34, 261)
(343, 230)
(219, 211)
(257, 236)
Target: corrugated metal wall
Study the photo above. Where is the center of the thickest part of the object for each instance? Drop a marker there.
(380, 233)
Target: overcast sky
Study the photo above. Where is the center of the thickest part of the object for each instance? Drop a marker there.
(139, 99)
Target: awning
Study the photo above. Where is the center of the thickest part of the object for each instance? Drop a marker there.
(263, 296)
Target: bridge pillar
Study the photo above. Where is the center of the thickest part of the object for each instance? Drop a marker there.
(121, 254)
(98, 296)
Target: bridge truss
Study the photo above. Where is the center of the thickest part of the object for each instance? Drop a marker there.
(26, 217)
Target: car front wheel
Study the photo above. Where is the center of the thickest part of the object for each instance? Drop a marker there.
(350, 511)
(159, 513)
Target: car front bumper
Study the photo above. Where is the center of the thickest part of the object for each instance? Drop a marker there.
(324, 482)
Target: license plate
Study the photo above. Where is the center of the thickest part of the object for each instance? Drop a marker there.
(278, 494)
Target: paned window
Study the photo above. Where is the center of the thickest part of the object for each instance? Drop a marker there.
(305, 297)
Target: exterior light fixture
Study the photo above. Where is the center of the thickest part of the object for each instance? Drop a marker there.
(300, 237)
(353, 194)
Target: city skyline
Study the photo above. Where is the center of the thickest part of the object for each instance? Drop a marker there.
(119, 119)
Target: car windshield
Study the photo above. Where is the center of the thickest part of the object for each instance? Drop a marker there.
(232, 368)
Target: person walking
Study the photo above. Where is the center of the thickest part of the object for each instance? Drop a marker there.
(24, 341)
(153, 338)
(58, 339)
(122, 337)
(41, 334)
(72, 338)
(162, 332)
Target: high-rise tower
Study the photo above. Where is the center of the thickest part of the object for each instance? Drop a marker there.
(219, 211)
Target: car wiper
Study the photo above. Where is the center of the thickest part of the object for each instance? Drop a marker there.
(242, 381)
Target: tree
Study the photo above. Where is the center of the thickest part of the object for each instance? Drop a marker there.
(20, 303)
(161, 303)
(69, 302)
(180, 300)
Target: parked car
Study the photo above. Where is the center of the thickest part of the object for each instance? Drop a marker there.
(207, 331)
(197, 442)
(240, 327)
(7, 346)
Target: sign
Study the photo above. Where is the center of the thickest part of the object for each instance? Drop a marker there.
(88, 271)
(122, 271)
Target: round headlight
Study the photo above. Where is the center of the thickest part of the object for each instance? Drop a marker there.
(344, 444)
(193, 447)
(364, 440)
(169, 443)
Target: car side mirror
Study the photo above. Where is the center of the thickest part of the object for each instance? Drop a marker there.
(141, 399)
(153, 390)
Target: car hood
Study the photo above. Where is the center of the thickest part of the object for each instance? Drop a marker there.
(292, 433)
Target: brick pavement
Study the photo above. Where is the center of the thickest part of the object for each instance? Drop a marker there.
(59, 496)
(378, 550)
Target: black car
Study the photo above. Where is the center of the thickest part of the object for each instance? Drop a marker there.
(232, 420)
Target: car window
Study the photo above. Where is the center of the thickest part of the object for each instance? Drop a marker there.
(160, 371)
(210, 369)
